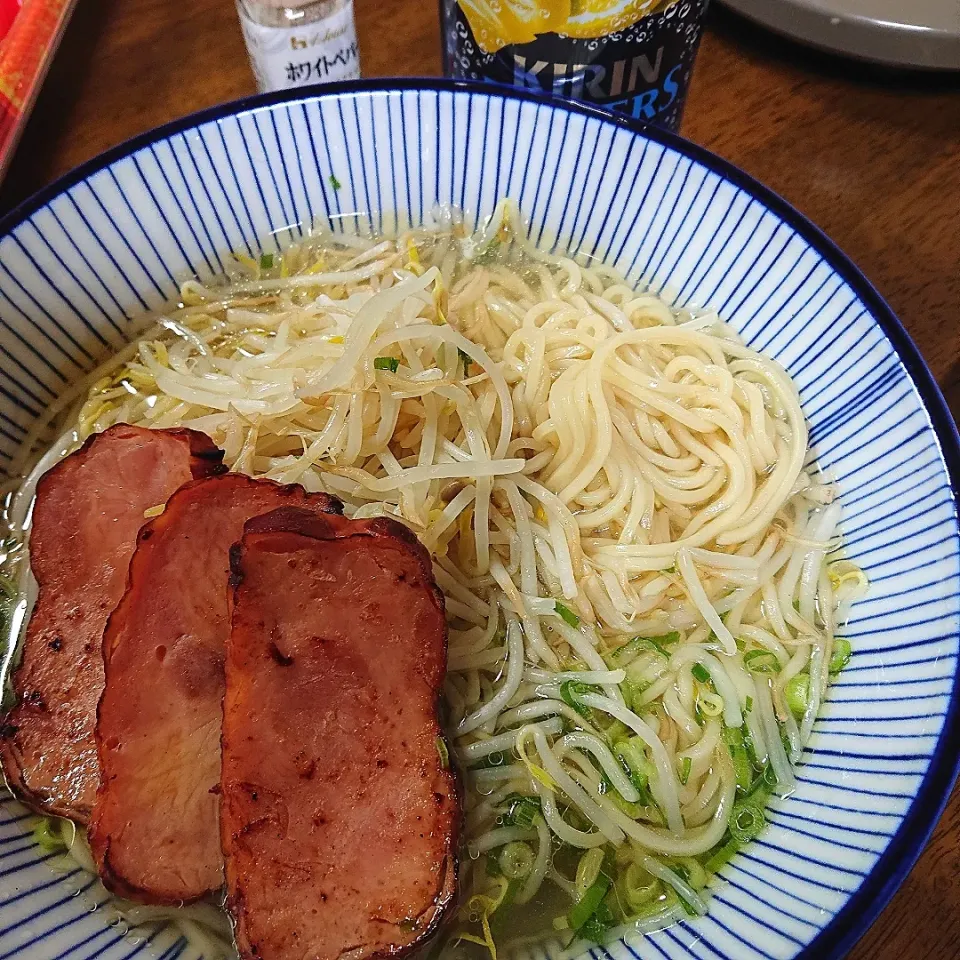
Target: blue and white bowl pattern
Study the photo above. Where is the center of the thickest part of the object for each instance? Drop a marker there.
(79, 262)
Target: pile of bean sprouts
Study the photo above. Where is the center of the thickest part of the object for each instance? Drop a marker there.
(622, 515)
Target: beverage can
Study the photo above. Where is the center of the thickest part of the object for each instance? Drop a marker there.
(633, 57)
(295, 43)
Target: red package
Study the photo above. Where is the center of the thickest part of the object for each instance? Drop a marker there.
(8, 10)
(29, 35)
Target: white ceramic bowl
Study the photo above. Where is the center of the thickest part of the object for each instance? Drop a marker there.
(115, 237)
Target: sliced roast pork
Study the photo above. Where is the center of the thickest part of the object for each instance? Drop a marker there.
(154, 831)
(87, 512)
(339, 812)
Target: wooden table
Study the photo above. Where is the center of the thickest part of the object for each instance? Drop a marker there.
(872, 158)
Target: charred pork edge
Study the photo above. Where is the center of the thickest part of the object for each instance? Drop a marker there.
(208, 457)
(296, 521)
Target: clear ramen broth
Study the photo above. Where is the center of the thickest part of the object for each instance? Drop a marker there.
(637, 549)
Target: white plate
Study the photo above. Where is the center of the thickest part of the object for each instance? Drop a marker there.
(906, 33)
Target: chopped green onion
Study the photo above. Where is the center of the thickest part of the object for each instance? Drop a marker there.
(639, 887)
(513, 888)
(632, 756)
(764, 785)
(570, 693)
(386, 363)
(761, 661)
(634, 646)
(566, 614)
(798, 694)
(588, 904)
(616, 731)
(722, 855)
(334, 182)
(516, 860)
(618, 656)
(266, 261)
(47, 835)
(697, 883)
(747, 821)
(490, 760)
(748, 705)
(632, 694)
(693, 872)
(685, 766)
(842, 652)
(444, 753)
(521, 810)
(596, 927)
(701, 673)
(660, 643)
(632, 810)
(588, 870)
(709, 704)
(751, 749)
(688, 907)
(733, 738)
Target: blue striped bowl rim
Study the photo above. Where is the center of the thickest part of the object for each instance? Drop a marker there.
(904, 847)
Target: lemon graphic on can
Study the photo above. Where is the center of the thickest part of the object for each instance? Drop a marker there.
(497, 23)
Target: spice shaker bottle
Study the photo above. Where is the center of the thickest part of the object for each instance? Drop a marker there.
(293, 43)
